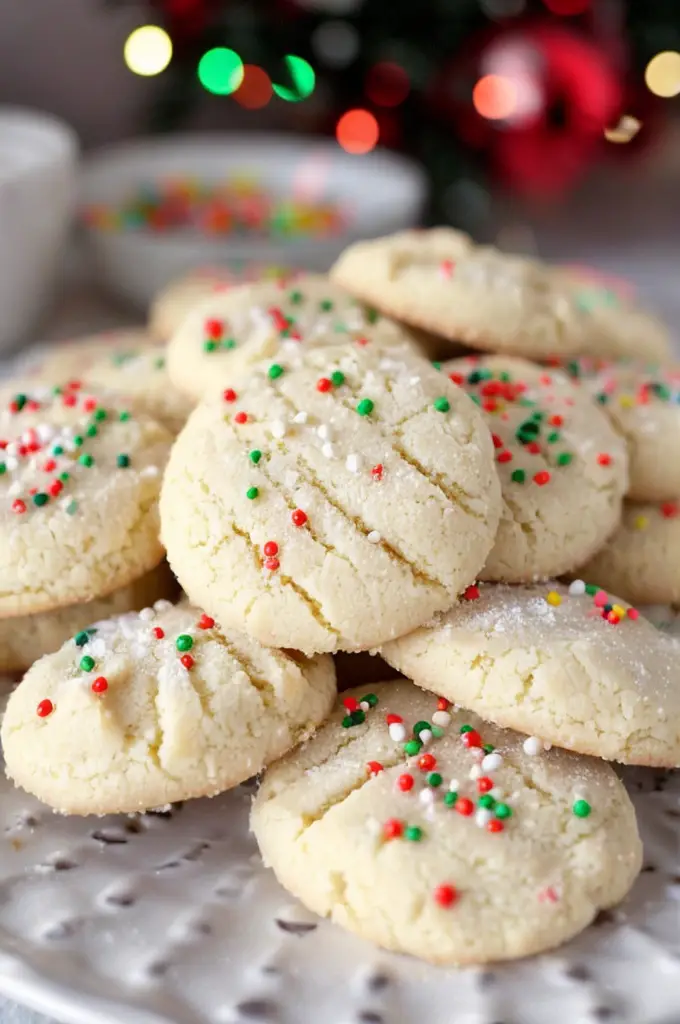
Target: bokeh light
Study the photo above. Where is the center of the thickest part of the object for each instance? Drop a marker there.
(494, 97)
(148, 50)
(220, 70)
(567, 8)
(255, 90)
(336, 43)
(626, 129)
(662, 74)
(357, 131)
(387, 84)
(302, 80)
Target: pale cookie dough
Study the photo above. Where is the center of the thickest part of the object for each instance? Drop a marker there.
(440, 281)
(176, 300)
(643, 402)
(561, 464)
(79, 482)
(641, 561)
(227, 334)
(144, 710)
(542, 659)
(140, 375)
(452, 854)
(333, 501)
(62, 360)
(24, 640)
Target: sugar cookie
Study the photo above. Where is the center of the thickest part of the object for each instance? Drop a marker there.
(542, 659)
(177, 299)
(333, 501)
(61, 360)
(144, 710)
(79, 484)
(140, 375)
(24, 640)
(439, 280)
(643, 402)
(409, 832)
(641, 561)
(228, 333)
(561, 464)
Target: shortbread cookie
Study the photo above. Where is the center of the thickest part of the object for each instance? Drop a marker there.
(79, 483)
(141, 377)
(171, 306)
(643, 402)
(332, 501)
(439, 280)
(641, 561)
(62, 360)
(24, 640)
(230, 332)
(561, 464)
(144, 710)
(577, 668)
(433, 833)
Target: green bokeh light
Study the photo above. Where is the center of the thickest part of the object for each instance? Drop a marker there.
(220, 70)
(302, 78)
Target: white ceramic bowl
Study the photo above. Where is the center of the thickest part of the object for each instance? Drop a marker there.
(37, 193)
(382, 191)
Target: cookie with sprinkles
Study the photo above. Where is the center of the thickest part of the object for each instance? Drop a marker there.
(227, 334)
(574, 666)
(430, 832)
(562, 466)
(174, 302)
(641, 560)
(643, 402)
(332, 501)
(62, 360)
(25, 639)
(440, 281)
(79, 482)
(151, 708)
(140, 376)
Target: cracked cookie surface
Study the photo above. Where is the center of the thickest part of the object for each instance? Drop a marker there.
(151, 708)
(466, 850)
(548, 662)
(331, 502)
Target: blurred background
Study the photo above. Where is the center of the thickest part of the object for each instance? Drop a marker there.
(547, 126)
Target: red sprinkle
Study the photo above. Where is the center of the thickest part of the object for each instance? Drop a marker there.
(299, 517)
(426, 762)
(613, 618)
(272, 564)
(206, 622)
(471, 738)
(556, 421)
(158, 632)
(633, 614)
(271, 548)
(601, 598)
(392, 719)
(55, 488)
(50, 465)
(533, 447)
(44, 708)
(446, 267)
(377, 471)
(484, 784)
(497, 443)
(604, 459)
(374, 767)
(241, 417)
(18, 506)
(443, 704)
(405, 782)
(214, 329)
(323, 384)
(542, 478)
(471, 593)
(445, 895)
(100, 685)
(457, 378)
(504, 457)
(669, 509)
(89, 404)
(229, 395)
(464, 806)
(393, 828)
(494, 825)
(69, 400)
(351, 703)
(187, 661)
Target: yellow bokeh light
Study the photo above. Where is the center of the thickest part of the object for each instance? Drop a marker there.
(662, 74)
(148, 50)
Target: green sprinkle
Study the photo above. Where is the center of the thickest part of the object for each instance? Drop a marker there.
(661, 391)
(184, 642)
(486, 801)
(437, 731)
(591, 589)
(40, 498)
(537, 416)
(3, 468)
(159, 364)
(326, 305)
(72, 508)
(86, 460)
(124, 416)
(209, 346)
(450, 798)
(518, 476)
(413, 833)
(80, 639)
(122, 461)
(437, 365)
(434, 779)
(602, 398)
(503, 811)
(347, 722)
(57, 450)
(295, 298)
(255, 456)
(412, 747)
(274, 371)
(442, 404)
(91, 430)
(337, 378)
(372, 315)
(488, 748)
(466, 728)
(78, 440)
(419, 726)
(20, 402)
(64, 477)
(228, 344)
(581, 808)
(87, 663)
(358, 717)
(370, 699)
(564, 458)
(365, 407)
(475, 377)
(252, 493)
(553, 437)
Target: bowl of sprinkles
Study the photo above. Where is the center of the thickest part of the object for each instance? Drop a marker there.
(155, 209)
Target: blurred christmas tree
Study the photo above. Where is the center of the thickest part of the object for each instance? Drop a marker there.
(530, 92)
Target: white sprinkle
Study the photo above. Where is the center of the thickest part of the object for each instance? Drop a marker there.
(397, 732)
(374, 537)
(454, 785)
(475, 772)
(150, 471)
(44, 431)
(373, 826)
(413, 381)
(12, 448)
(33, 462)
(324, 432)
(11, 463)
(492, 762)
(14, 488)
(577, 588)
(425, 736)
(277, 428)
(147, 614)
(97, 647)
(328, 450)
(497, 792)
(532, 746)
(442, 718)
(353, 462)
(162, 605)
(426, 796)
(365, 706)
(483, 817)
(547, 746)
(477, 754)
(300, 417)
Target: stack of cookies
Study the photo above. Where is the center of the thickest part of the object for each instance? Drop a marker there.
(334, 491)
